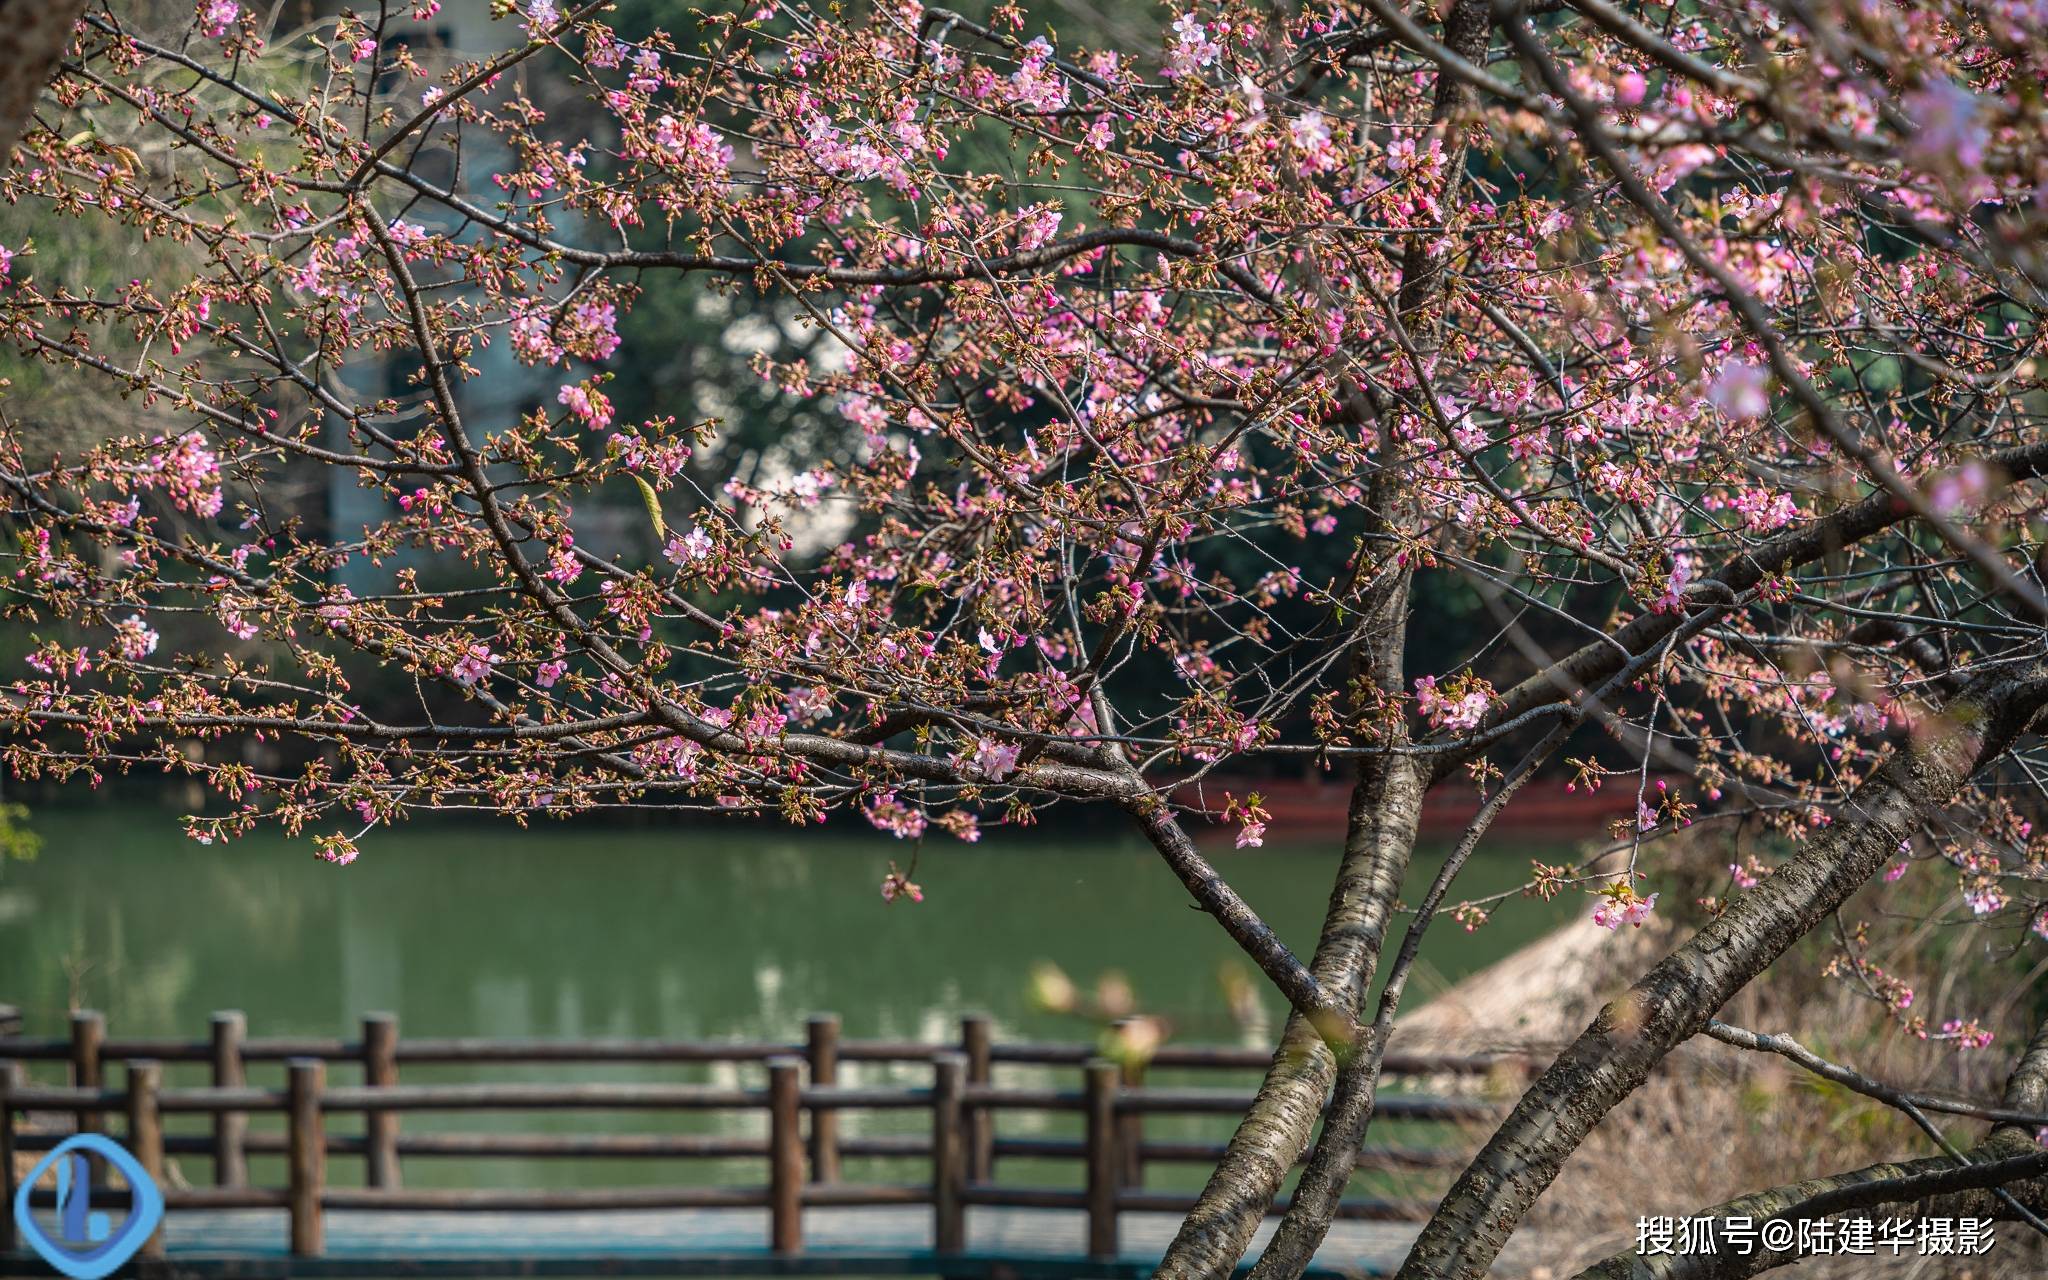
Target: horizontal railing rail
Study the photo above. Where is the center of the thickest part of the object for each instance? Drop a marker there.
(1051, 1054)
(803, 1149)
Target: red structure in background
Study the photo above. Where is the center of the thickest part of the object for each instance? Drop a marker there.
(1305, 809)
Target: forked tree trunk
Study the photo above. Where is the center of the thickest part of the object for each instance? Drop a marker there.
(1386, 809)
(1425, 267)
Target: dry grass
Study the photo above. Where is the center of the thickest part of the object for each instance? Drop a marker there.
(1703, 1132)
(1716, 1122)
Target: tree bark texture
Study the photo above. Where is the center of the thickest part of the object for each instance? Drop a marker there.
(33, 36)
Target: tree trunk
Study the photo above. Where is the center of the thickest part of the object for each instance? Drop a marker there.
(1321, 1186)
(1425, 268)
(1386, 808)
(33, 36)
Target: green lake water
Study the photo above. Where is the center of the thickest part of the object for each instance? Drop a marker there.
(687, 932)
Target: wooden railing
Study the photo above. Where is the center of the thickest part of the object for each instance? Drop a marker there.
(803, 1149)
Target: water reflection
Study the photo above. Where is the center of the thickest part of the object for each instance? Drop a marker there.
(567, 932)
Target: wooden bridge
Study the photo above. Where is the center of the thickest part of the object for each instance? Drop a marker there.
(804, 1217)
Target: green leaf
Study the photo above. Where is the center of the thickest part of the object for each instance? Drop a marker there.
(653, 508)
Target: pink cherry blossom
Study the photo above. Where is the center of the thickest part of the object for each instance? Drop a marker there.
(1951, 133)
(864, 402)
(1741, 391)
(541, 17)
(688, 547)
(217, 16)
(1619, 905)
(1965, 1035)
(589, 404)
(340, 852)
(1672, 598)
(1037, 84)
(1038, 228)
(239, 619)
(473, 665)
(1960, 489)
(898, 884)
(993, 760)
(899, 819)
(1192, 49)
(1459, 714)
(1765, 511)
(133, 639)
(188, 468)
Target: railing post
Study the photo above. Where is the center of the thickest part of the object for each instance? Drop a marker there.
(10, 1080)
(785, 1155)
(307, 1144)
(146, 1134)
(88, 1037)
(975, 1041)
(1131, 1126)
(380, 1071)
(1101, 1078)
(821, 1042)
(230, 1128)
(949, 1163)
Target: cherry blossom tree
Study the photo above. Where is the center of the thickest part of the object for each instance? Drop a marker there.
(1162, 388)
